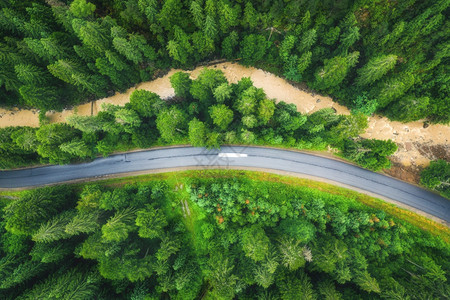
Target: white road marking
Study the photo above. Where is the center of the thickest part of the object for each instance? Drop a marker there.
(232, 155)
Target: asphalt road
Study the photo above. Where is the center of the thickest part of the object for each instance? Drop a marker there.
(267, 158)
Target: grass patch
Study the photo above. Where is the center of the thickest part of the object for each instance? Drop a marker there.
(174, 179)
(182, 177)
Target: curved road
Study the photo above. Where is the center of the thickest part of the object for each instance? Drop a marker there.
(237, 156)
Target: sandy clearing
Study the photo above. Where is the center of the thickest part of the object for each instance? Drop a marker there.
(409, 136)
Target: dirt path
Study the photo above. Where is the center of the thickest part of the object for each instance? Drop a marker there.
(417, 145)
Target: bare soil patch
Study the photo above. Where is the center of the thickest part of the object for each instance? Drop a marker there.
(417, 144)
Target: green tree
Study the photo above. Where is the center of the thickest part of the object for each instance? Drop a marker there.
(335, 70)
(81, 8)
(228, 16)
(118, 226)
(41, 97)
(118, 199)
(125, 48)
(367, 283)
(210, 28)
(247, 103)
(255, 243)
(49, 252)
(291, 253)
(171, 13)
(169, 246)
(181, 83)
(92, 34)
(31, 74)
(308, 40)
(197, 133)
(54, 229)
(304, 62)
(151, 222)
(251, 17)
(34, 207)
(222, 280)
(171, 123)
(247, 137)
(229, 45)
(364, 105)
(73, 284)
(223, 92)
(409, 108)
(89, 124)
(266, 109)
(249, 121)
(297, 287)
(328, 290)
(253, 49)
(77, 148)
(89, 198)
(437, 177)
(127, 118)
(145, 103)
(25, 138)
(204, 86)
(376, 68)
(83, 222)
(349, 126)
(221, 115)
(197, 14)
(263, 277)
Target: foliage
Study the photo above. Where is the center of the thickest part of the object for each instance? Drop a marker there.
(57, 54)
(208, 111)
(437, 177)
(231, 235)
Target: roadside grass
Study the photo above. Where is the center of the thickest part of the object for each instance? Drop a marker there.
(391, 209)
(174, 179)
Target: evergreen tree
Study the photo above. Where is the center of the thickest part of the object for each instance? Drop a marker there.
(197, 133)
(221, 115)
(171, 123)
(376, 68)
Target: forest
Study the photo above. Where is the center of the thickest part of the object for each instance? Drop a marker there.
(206, 112)
(211, 235)
(389, 57)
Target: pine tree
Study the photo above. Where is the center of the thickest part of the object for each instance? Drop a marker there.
(54, 229)
(77, 148)
(31, 74)
(251, 17)
(181, 83)
(308, 40)
(92, 34)
(263, 277)
(197, 133)
(81, 8)
(145, 103)
(223, 92)
(291, 253)
(125, 48)
(171, 123)
(228, 17)
(376, 68)
(229, 45)
(221, 115)
(210, 27)
(84, 222)
(151, 222)
(87, 124)
(197, 14)
(41, 97)
(118, 226)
